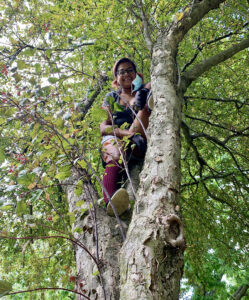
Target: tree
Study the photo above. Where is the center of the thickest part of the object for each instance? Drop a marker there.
(49, 145)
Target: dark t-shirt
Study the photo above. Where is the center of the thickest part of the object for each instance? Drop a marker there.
(121, 114)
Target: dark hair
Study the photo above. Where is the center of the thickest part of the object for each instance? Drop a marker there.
(120, 61)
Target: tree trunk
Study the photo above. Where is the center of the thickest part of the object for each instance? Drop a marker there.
(104, 245)
(151, 259)
(108, 235)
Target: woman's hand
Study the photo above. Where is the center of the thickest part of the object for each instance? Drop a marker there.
(122, 132)
(107, 129)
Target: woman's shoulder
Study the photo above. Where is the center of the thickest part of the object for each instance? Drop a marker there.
(113, 94)
(111, 97)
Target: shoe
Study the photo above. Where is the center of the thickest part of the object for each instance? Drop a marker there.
(150, 100)
(120, 200)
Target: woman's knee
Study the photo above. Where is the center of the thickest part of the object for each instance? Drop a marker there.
(111, 152)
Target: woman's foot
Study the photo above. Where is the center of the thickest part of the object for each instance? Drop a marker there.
(120, 200)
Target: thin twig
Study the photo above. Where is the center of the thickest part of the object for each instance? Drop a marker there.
(43, 122)
(42, 289)
(78, 243)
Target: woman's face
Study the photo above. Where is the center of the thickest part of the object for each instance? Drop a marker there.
(125, 75)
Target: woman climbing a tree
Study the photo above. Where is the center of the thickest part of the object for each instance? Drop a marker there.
(123, 131)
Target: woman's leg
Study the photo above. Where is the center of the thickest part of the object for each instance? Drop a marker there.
(113, 170)
(112, 179)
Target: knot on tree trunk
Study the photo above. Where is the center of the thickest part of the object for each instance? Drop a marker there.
(174, 233)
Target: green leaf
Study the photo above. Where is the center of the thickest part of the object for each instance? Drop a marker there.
(80, 203)
(2, 155)
(82, 163)
(17, 77)
(71, 217)
(78, 230)
(21, 208)
(59, 123)
(21, 65)
(26, 179)
(6, 207)
(78, 191)
(5, 287)
(29, 52)
(38, 68)
(52, 79)
(96, 273)
(48, 53)
(63, 175)
(56, 218)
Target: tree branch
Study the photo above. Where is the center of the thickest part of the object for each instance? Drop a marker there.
(236, 133)
(240, 292)
(147, 36)
(201, 46)
(222, 144)
(210, 177)
(191, 15)
(72, 240)
(89, 101)
(189, 139)
(142, 17)
(207, 64)
(43, 289)
(237, 103)
(23, 46)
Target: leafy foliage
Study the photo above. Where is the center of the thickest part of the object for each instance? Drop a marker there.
(54, 57)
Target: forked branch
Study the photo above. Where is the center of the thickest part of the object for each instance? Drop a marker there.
(188, 77)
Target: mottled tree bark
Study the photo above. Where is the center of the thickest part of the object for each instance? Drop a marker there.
(104, 246)
(99, 279)
(151, 259)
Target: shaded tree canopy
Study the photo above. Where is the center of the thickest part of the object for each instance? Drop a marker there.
(56, 63)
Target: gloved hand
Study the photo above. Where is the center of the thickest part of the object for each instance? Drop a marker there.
(140, 98)
(141, 145)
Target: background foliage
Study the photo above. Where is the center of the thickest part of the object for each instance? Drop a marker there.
(56, 58)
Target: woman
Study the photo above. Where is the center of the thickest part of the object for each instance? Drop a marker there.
(127, 119)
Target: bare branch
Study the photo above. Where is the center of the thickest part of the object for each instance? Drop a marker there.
(238, 103)
(210, 177)
(222, 144)
(43, 289)
(131, 10)
(74, 241)
(144, 19)
(240, 292)
(23, 46)
(212, 124)
(201, 46)
(207, 64)
(62, 49)
(189, 140)
(89, 101)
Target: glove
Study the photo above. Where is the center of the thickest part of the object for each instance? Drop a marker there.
(140, 99)
(141, 144)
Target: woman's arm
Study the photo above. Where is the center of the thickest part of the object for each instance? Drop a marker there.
(106, 127)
